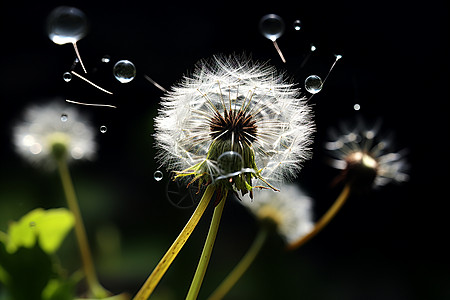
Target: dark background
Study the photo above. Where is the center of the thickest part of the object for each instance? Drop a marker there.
(389, 244)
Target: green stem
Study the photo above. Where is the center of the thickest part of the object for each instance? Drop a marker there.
(91, 277)
(242, 266)
(207, 250)
(154, 278)
(326, 218)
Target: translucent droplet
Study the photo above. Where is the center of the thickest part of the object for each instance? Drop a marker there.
(124, 71)
(67, 77)
(32, 224)
(64, 118)
(230, 162)
(158, 175)
(66, 25)
(356, 106)
(313, 84)
(103, 129)
(297, 25)
(106, 59)
(271, 26)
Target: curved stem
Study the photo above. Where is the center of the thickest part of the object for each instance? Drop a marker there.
(91, 277)
(207, 250)
(326, 218)
(242, 266)
(154, 278)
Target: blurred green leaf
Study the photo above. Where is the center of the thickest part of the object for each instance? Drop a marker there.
(49, 227)
(26, 271)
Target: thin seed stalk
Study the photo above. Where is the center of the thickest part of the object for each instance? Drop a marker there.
(95, 287)
(154, 278)
(326, 218)
(207, 250)
(242, 266)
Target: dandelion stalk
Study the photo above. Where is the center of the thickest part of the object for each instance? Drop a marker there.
(207, 250)
(242, 266)
(154, 278)
(326, 218)
(91, 277)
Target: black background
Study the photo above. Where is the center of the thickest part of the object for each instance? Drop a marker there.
(389, 244)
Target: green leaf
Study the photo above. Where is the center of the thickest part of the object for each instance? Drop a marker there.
(49, 227)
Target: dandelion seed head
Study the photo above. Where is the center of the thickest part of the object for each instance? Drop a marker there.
(42, 134)
(234, 104)
(366, 158)
(290, 210)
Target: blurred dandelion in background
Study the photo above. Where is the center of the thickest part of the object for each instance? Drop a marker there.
(365, 156)
(47, 127)
(288, 213)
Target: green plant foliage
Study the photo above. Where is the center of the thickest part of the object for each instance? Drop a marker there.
(27, 268)
(48, 227)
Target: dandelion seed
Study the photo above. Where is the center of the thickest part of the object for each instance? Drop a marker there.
(42, 134)
(232, 104)
(365, 158)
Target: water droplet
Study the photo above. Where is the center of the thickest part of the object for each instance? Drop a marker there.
(297, 25)
(32, 224)
(106, 59)
(313, 48)
(356, 106)
(64, 118)
(158, 175)
(271, 26)
(67, 77)
(230, 162)
(66, 25)
(124, 71)
(313, 84)
(103, 129)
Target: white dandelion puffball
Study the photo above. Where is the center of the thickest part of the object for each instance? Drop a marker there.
(233, 104)
(290, 210)
(362, 149)
(44, 126)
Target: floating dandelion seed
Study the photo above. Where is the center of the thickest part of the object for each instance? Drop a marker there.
(272, 27)
(67, 25)
(365, 158)
(232, 104)
(45, 129)
(91, 83)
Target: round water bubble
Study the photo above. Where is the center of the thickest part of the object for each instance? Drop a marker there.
(67, 77)
(124, 71)
(158, 175)
(271, 26)
(64, 118)
(66, 24)
(230, 162)
(297, 25)
(103, 129)
(313, 84)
